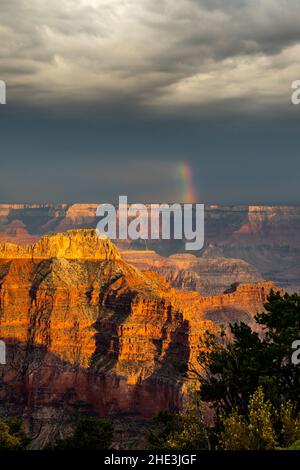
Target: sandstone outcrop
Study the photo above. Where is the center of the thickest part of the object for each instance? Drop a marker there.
(16, 231)
(97, 334)
(208, 276)
(266, 237)
(74, 244)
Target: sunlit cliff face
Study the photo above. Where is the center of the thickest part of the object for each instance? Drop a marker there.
(75, 244)
(100, 333)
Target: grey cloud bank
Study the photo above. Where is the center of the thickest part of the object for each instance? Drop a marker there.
(159, 55)
(106, 97)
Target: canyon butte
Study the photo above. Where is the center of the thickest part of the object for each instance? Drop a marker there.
(88, 331)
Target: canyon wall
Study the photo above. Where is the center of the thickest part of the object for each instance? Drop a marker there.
(97, 334)
(208, 276)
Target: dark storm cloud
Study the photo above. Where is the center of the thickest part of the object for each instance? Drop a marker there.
(158, 54)
(109, 96)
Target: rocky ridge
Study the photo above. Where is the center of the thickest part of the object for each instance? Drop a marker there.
(208, 276)
(74, 244)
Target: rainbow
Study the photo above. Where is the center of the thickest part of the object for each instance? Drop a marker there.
(187, 187)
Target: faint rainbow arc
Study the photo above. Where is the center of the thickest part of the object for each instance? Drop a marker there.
(187, 186)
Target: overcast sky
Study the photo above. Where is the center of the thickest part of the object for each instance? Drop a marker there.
(106, 97)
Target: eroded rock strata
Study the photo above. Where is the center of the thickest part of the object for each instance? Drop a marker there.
(208, 276)
(85, 330)
(266, 237)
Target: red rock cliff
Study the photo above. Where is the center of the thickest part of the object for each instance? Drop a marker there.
(86, 330)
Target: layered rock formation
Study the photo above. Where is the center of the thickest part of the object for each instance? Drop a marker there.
(74, 244)
(264, 236)
(85, 330)
(185, 271)
(239, 303)
(78, 215)
(16, 231)
(88, 333)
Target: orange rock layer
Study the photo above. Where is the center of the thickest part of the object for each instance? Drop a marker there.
(74, 244)
(98, 333)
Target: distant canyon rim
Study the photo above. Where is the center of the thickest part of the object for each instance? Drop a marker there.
(265, 237)
(152, 222)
